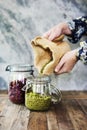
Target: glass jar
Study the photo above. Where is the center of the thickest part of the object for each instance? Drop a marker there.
(17, 80)
(39, 93)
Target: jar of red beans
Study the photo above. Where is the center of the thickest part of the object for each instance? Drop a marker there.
(17, 80)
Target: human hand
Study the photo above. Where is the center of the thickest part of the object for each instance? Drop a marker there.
(57, 30)
(67, 62)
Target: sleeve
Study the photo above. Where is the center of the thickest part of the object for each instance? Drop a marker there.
(82, 52)
(78, 28)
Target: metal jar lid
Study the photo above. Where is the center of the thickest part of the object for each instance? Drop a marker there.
(19, 68)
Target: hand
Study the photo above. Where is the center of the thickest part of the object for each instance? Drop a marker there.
(57, 30)
(67, 62)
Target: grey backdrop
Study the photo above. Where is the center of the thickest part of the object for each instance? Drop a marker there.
(22, 20)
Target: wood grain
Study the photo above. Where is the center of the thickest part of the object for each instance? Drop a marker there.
(13, 117)
(63, 118)
(77, 116)
(69, 114)
(37, 121)
(52, 119)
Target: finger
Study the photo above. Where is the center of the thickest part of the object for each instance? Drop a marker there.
(61, 71)
(46, 35)
(59, 66)
(52, 36)
(59, 38)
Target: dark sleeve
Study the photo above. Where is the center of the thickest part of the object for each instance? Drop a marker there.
(78, 27)
(82, 52)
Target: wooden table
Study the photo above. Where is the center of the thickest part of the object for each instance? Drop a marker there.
(69, 114)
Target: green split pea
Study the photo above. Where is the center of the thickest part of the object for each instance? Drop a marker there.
(35, 101)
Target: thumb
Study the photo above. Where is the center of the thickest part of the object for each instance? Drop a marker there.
(59, 67)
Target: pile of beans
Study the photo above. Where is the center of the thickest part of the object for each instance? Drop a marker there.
(15, 92)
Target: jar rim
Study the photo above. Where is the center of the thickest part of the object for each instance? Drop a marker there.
(19, 68)
(41, 79)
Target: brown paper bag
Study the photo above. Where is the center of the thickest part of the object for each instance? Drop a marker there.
(47, 54)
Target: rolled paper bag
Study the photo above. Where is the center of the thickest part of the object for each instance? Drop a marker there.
(47, 54)
(60, 38)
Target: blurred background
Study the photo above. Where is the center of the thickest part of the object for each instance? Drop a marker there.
(22, 20)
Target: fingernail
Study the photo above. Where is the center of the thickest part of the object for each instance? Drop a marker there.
(56, 70)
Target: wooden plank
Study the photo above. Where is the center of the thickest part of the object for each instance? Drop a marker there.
(3, 94)
(3, 91)
(2, 103)
(70, 114)
(65, 94)
(83, 105)
(63, 118)
(79, 94)
(74, 94)
(78, 118)
(51, 119)
(14, 117)
(21, 120)
(37, 121)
